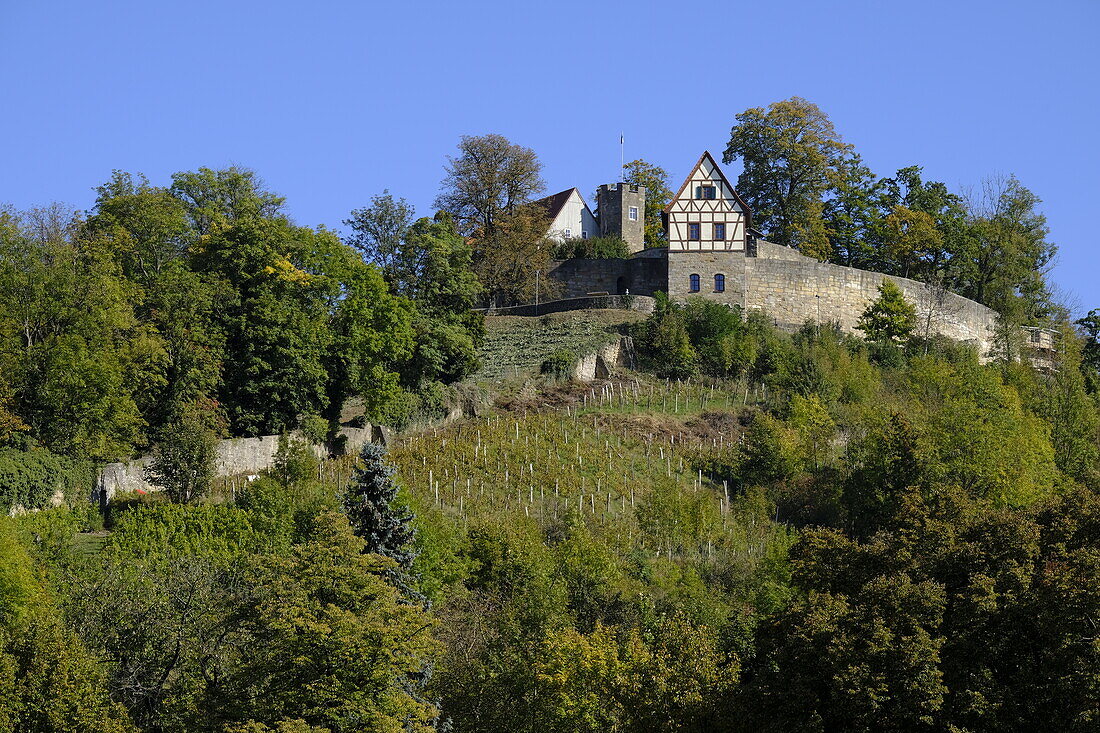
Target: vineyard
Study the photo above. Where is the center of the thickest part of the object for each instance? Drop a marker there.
(618, 461)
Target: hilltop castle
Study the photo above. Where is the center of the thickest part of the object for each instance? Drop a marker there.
(713, 252)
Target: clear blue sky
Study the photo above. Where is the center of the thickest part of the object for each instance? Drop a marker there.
(332, 102)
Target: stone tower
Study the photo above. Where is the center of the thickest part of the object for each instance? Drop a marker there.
(621, 210)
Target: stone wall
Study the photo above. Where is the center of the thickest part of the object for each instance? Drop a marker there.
(638, 275)
(641, 303)
(602, 364)
(792, 290)
(234, 457)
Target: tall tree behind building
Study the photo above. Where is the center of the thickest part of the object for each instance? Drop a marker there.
(789, 152)
(657, 195)
(486, 191)
(489, 180)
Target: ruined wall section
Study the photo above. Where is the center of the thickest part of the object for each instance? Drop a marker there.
(233, 457)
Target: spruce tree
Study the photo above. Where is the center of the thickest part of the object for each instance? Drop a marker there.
(371, 505)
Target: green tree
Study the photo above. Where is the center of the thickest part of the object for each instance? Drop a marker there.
(789, 152)
(147, 227)
(378, 232)
(851, 213)
(891, 318)
(49, 681)
(911, 243)
(328, 641)
(183, 461)
(490, 179)
(657, 195)
(1090, 351)
(69, 339)
(1006, 254)
(815, 428)
(220, 198)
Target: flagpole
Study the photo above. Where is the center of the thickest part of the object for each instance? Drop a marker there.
(622, 158)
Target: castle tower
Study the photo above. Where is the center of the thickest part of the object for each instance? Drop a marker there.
(621, 210)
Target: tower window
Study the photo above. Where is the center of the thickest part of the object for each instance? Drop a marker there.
(694, 283)
(633, 213)
(719, 283)
(706, 192)
(693, 232)
(720, 232)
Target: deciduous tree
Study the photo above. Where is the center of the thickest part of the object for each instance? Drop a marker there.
(489, 179)
(789, 152)
(657, 195)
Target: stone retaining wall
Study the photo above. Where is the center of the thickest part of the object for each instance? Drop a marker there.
(235, 457)
(642, 274)
(794, 290)
(639, 303)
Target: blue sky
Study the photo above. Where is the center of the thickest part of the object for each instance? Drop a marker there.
(332, 102)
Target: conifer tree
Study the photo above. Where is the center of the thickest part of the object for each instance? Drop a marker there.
(371, 505)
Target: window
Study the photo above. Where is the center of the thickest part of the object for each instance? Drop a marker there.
(634, 213)
(568, 233)
(1035, 338)
(584, 234)
(719, 283)
(706, 192)
(720, 232)
(694, 283)
(693, 232)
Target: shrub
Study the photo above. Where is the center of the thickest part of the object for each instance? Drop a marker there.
(559, 364)
(595, 248)
(315, 429)
(30, 478)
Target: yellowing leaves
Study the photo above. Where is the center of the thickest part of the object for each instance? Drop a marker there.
(284, 270)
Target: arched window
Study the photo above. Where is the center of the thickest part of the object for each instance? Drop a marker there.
(719, 283)
(694, 283)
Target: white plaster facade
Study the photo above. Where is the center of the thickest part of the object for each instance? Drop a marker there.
(571, 217)
(706, 214)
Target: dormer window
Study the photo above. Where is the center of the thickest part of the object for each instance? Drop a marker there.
(706, 192)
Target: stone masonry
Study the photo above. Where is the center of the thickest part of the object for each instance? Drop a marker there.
(793, 289)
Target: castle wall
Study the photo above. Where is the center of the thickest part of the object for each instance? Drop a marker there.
(792, 290)
(639, 275)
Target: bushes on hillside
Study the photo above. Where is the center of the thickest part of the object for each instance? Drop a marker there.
(30, 478)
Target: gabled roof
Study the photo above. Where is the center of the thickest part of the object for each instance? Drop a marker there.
(554, 204)
(707, 156)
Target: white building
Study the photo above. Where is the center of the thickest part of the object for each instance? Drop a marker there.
(570, 217)
(706, 214)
